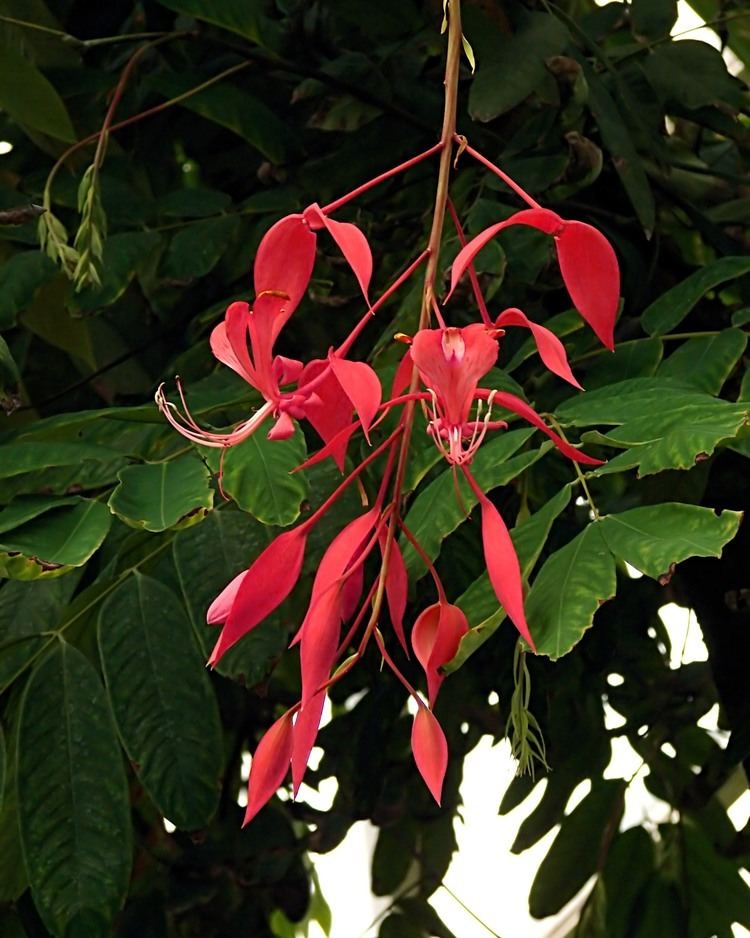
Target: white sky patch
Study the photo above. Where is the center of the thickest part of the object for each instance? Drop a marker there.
(5, 147)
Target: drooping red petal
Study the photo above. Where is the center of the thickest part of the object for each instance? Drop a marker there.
(430, 751)
(361, 386)
(352, 243)
(319, 641)
(305, 733)
(285, 258)
(589, 269)
(396, 589)
(269, 580)
(329, 409)
(515, 404)
(219, 609)
(269, 766)
(402, 378)
(229, 342)
(540, 218)
(551, 349)
(335, 448)
(352, 593)
(283, 429)
(435, 638)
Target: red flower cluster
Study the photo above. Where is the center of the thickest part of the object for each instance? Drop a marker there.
(441, 372)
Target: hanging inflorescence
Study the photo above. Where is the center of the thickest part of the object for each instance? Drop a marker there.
(441, 372)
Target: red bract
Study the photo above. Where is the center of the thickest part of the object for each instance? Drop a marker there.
(269, 766)
(435, 639)
(430, 751)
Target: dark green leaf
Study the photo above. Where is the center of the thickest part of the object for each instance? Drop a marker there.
(393, 857)
(653, 18)
(196, 249)
(74, 809)
(162, 699)
(574, 853)
(673, 306)
(479, 601)
(516, 66)
(193, 203)
(123, 253)
(2, 768)
(245, 17)
(20, 278)
(629, 867)
(655, 538)
(717, 896)
(693, 74)
(29, 98)
(399, 926)
(257, 475)
(13, 878)
(18, 458)
(639, 358)
(9, 379)
(568, 590)
(161, 495)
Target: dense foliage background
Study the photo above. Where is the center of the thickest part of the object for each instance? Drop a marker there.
(113, 538)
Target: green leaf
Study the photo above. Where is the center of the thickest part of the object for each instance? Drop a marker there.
(13, 878)
(20, 278)
(515, 66)
(479, 601)
(618, 141)
(257, 476)
(193, 203)
(9, 379)
(18, 458)
(706, 362)
(568, 590)
(436, 512)
(162, 700)
(123, 253)
(27, 611)
(206, 558)
(656, 537)
(244, 17)
(232, 108)
(196, 249)
(158, 496)
(66, 535)
(575, 851)
(673, 306)
(653, 18)
(692, 73)
(29, 98)
(73, 797)
(717, 896)
(628, 869)
(2, 767)
(639, 358)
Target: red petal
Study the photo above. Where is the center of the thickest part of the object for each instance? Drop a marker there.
(551, 349)
(329, 411)
(283, 429)
(402, 378)
(430, 751)
(503, 567)
(539, 218)
(435, 638)
(229, 342)
(269, 766)
(589, 268)
(351, 241)
(396, 590)
(361, 386)
(266, 585)
(352, 593)
(219, 609)
(285, 258)
(305, 733)
(515, 404)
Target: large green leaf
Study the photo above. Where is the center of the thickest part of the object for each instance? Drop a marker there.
(656, 537)
(653, 18)
(64, 536)
(257, 475)
(706, 362)
(629, 868)
(161, 495)
(196, 249)
(123, 254)
(20, 278)
(436, 511)
(570, 587)
(27, 611)
(29, 98)
(717, 896)
(575, 851)
(515, 66)
(233, 108)
(3, 759)
(73, 798)
(18, 458)
(479, 601)
(10, 379)
(245, 17)
(693, 74)
(673, 306)
(163, 703)
(206, 558)
(13, 878)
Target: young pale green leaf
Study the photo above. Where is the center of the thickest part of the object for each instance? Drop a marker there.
(516, 66)
(568, 590)
(672, 307)
(196, 249)
(162, 700)
(74, 809)
(157, 496)
(64, 535)
(436, 512)
(574, 853)
(29, 98)
(206, 558)
(655, 538)
(257, 475)
(479, 601)
(706, 362)
(20, 278)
